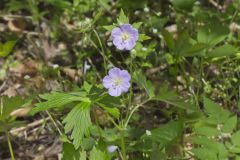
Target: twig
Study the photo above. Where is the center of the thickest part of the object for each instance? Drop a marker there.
(215, 4)
(33, 124)
(15, 16)
(2, 86)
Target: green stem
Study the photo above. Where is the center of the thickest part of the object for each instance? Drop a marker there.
(123, 146)
(105, 59)
(10, 145)
(54, 123)
(133, 110)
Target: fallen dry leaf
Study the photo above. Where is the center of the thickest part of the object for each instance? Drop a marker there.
(22, 112)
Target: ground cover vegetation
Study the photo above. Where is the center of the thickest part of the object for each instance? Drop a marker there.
(119, 79)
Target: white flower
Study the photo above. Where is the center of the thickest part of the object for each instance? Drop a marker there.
(155, 30)
(146, 9)
(144, 49)
(148, 133)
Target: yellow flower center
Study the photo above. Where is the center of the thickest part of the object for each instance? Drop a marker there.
(125, 36)
(117, 81)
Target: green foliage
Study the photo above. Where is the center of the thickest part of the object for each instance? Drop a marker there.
(183, 4)
(212, 132)
(7, 106)
(97, 155)
(225, 50)
(57, 99)
(122, 19)
(6, 48)
(186, 50)
(69, 153)
(143, 83)
(167, 134)
(79, 122)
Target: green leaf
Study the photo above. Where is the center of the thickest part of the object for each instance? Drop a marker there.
(143, 52)
(212, 35)
(172, 98)
(186, 5)
(6, 48)
(216, 111)
(113, 111)
(58, 99)
(97, 155)
(7, 105)
(207, 130)
(143, 37)
(235, 139)
(225, 50)
(142, 82)
(204, 154)
(109, 27)
(70, 153)
(79, 122)
(166, 134)
(194, 50)
(230, 125)
(168, 39)
(123, 19)
(215, 147)
(137, 25)
(110, 104)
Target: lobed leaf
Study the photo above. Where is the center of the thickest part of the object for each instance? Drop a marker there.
(58, 99)
(78, 121)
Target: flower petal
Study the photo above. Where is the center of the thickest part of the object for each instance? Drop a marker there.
(117, 41)
(125, 86)
(116, 32)
(130, 44)
(115, 91)
(134, 34)
(126, 28)
(114, 72)
(107, 82)
(125, 75)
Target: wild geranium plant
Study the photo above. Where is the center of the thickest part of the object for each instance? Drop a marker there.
(102, 123)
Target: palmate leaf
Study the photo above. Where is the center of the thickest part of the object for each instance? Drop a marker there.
(96, 154)
(167, 133)
(79, 122)
(7, 105)
(215, 147)
(70, 153)
(171, 97)
(216, 111)
(204, 154)
(58, 99)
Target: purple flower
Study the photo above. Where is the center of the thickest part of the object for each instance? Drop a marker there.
(124, 37)
(117, 81)
(112, 148)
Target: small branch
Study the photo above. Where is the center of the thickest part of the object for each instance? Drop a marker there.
(15, 17)
(33, 124)
(215, 4)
